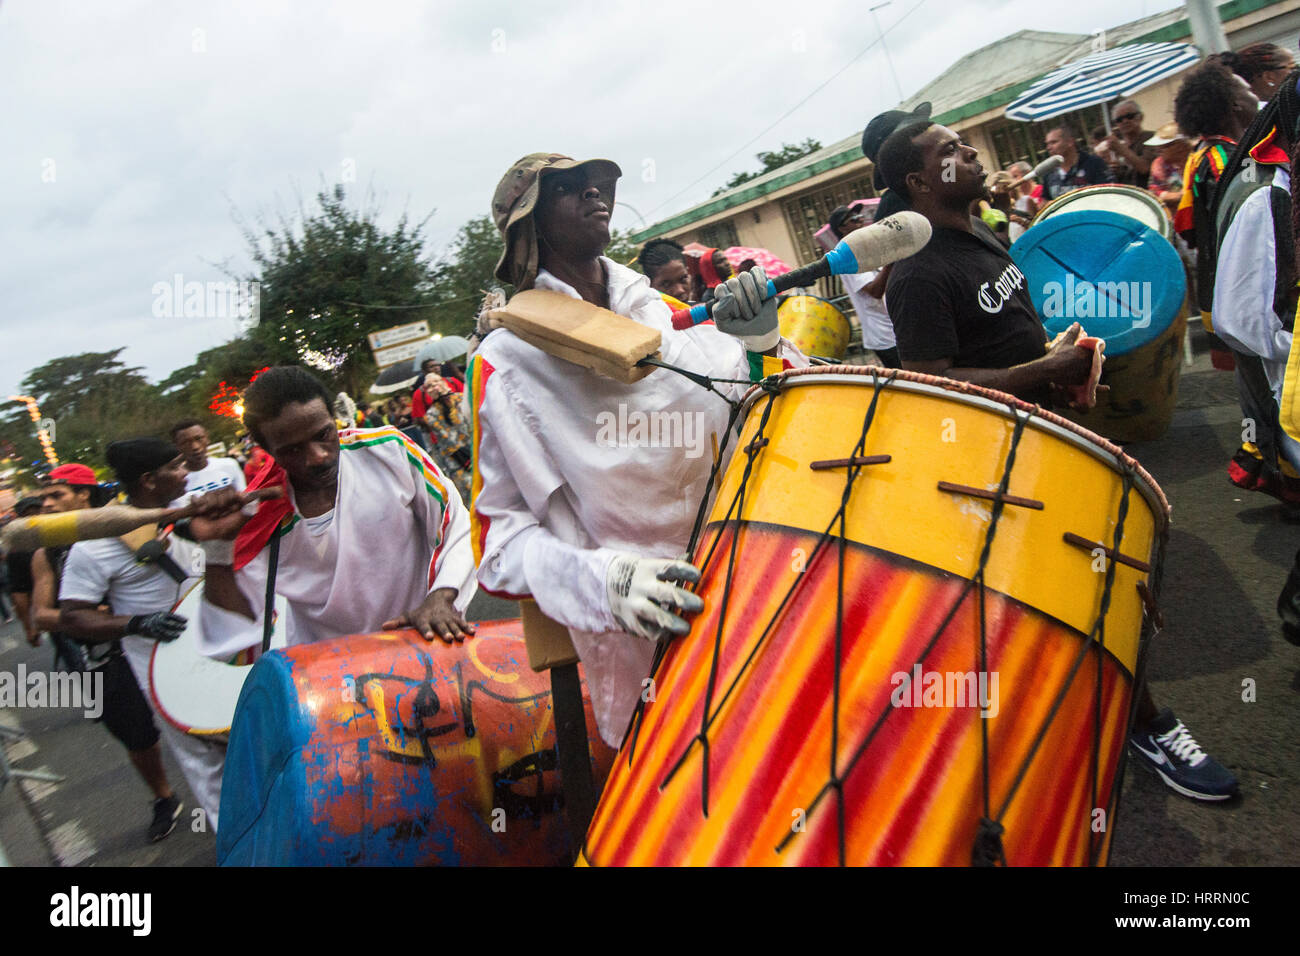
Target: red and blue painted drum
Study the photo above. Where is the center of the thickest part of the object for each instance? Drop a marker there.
(923, 603)
(388, 749)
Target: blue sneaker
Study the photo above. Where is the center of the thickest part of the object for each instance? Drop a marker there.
(1167, 747)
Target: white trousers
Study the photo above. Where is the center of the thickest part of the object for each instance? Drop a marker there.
(202, 761)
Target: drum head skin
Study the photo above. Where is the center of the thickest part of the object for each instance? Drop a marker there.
(1119, 279)
(1126, 200)
(814, 325)
(192, 692)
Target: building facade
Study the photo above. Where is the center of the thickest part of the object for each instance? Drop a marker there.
(781, 210)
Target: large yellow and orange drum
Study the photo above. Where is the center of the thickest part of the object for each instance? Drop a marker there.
(857, 690)
(814, 325)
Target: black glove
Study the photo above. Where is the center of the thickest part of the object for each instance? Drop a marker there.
(162, 626)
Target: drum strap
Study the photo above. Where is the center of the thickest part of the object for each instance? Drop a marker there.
(574, 756)
(268, 609)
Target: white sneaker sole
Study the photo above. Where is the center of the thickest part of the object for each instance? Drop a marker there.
(1195, 795)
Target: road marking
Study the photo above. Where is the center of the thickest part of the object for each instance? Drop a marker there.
(38, 790)
(20, 748)
(71, 844)
(9, 718)
(7, 644)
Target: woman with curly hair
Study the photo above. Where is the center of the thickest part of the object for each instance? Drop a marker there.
(1213, 107)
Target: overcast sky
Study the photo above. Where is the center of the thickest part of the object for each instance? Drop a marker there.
(134, 131)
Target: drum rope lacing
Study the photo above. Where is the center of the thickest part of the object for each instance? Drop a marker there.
(987, 841)
(987, 846)
(772, 385)
(707, 717)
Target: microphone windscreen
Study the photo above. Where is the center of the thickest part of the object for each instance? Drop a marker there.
(1046, 166)
(895, 237)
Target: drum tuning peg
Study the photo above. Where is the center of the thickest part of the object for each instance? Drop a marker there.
(1153, 611)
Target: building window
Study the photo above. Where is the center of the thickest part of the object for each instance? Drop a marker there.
(807, 213)
(720, 235)
(1015, 142)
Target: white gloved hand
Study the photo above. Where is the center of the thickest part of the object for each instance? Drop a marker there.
(640, 595)
(741, 310)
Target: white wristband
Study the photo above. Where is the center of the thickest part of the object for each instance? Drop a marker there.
(219, 552)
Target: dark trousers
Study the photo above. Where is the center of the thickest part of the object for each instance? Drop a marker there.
(889, 357)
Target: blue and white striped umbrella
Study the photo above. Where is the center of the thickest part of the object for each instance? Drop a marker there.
(1100, 78)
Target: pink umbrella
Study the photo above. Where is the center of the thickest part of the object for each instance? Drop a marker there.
(770, 263)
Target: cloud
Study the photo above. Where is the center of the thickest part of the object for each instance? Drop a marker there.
(160, 119)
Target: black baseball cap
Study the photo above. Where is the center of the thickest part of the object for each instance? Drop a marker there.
(878, 130)
(840, 213)
(28, 506)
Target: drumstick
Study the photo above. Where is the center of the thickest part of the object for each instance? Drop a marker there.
(110, 521)
(895, 237)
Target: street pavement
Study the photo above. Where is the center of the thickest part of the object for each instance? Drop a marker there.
(1228, 555)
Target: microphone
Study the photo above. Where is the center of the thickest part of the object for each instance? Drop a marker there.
(1046, 166)
(895, 237)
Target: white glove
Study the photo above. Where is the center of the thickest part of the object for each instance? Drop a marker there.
(741, 310)
(640, 595)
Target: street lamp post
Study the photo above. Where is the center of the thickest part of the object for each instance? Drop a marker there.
(619, 202)
(43, 436)
(888, 59)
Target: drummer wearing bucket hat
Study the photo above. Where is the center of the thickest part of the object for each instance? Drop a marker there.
(575, 506)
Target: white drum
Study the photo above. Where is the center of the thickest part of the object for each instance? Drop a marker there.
(1128, 201)
(194, 693)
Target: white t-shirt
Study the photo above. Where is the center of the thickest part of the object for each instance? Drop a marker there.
(1022, 206)
(877, 330)
(107, 567)
(217, 473)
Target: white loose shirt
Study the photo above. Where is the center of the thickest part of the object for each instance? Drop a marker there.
(398, 531)
(217, 473)
(877, 330)
(575, 467)
(1244, 281)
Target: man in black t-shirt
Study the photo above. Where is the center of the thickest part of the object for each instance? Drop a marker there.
(960, 307)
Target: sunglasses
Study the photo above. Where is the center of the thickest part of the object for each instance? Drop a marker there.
(1127, 116)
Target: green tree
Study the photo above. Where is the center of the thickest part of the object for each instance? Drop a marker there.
(772, 159)
(93, 400)
(330, 280)
(464, 273)
(189, 391)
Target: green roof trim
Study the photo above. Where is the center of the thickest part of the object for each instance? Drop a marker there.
(1178, 30)
(748, 193)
